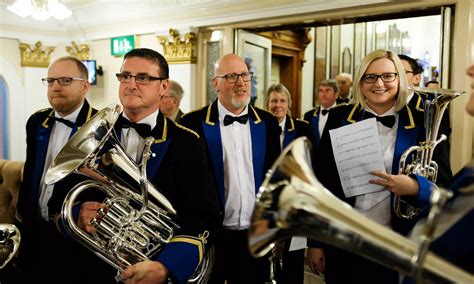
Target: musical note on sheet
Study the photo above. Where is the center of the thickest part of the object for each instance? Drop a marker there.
(357, 152)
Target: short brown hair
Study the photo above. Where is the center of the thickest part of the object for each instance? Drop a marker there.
(80, 66)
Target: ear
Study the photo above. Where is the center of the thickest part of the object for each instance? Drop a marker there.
(164, 87)
(85, 87)
(214, 85)
(416, 79)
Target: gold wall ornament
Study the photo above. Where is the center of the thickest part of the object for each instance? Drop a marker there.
(35, 57)
(81, 52)
(177, 50)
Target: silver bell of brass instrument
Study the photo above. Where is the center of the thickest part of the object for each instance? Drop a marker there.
(292, 202)
(422, 155)
(10, 238)
(137, 223)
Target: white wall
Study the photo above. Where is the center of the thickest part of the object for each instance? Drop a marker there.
(26, 93)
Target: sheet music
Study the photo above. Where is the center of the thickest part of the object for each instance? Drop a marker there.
(357, 152)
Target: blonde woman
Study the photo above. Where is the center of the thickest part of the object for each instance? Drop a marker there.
(380, 91)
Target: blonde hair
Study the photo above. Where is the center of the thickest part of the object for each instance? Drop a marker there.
(277, 88)
(402, 79)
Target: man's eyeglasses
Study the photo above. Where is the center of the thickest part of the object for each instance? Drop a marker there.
(62, 81)
(408, 71)
(142, 79)
(386, 78)
(233, 78)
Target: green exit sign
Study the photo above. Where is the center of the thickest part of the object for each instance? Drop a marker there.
(119, 46)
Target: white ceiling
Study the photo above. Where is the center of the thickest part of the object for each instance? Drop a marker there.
(106, 18)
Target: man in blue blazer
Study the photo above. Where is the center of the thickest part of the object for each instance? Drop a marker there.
(242, 143)
(177, 167)
(43, 247)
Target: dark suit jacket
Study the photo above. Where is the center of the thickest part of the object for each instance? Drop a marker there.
(179, 115)
(295, 128)
(410, 132)
(312, 117)
(265, 141)
(44, 249)
(180, 171)
(444, 174)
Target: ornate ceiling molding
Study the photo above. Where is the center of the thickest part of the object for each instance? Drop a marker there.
(36, 56)
(177, 50)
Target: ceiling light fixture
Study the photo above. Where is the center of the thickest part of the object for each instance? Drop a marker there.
(40, 9)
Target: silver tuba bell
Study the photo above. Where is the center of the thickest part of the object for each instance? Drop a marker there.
(423, 164)
(9, 243)
(138, 221)
(292, 202)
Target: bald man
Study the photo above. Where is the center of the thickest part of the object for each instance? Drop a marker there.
(242, 143)
(345, 84)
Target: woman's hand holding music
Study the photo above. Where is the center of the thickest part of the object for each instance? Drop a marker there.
(398, 184)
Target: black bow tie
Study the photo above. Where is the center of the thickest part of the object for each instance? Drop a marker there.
(143, 129)
(324, 111)
(341, 100)
(228, 119)
(387, 121)
(66, 122)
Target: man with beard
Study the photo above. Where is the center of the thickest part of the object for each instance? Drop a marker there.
(242, 143)
(43, 247)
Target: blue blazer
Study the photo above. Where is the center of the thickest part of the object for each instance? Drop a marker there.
(264, 131)
(178, 168)
(410, 132)
(312, 117)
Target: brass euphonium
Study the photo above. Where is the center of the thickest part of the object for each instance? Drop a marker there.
(422, 164)
(133, 228)
(292, 202)
(9, 243)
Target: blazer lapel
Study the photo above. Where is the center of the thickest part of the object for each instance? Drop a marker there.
(290, 131)
(407, 134)
(84, 115)
(258, 136)
(315, 125)
(42, 141)
(212, 134)
(159, 146)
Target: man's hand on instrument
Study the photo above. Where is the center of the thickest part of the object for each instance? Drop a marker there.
(146, 272)
(87, 213)
(316, 260)
(398, 184)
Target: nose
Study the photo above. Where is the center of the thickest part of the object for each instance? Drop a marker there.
(379, 81)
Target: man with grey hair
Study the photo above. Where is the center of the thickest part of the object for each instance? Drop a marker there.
(170, 102)
(345, 84)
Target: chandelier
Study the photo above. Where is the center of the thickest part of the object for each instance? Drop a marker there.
(40, 9)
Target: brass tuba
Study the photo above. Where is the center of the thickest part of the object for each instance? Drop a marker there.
(9, 243)
(133, 228)
(293, 202)
(423, 163)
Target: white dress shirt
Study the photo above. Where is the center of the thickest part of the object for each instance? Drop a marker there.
(131, 141)
(377, 205)
(238, 171)
(59, 136)
(282, 134)
(323, 119)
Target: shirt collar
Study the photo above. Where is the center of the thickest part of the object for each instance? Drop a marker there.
(391, 111)
(223, 111)
(72, 116)
(150, 119)
(333, 105)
